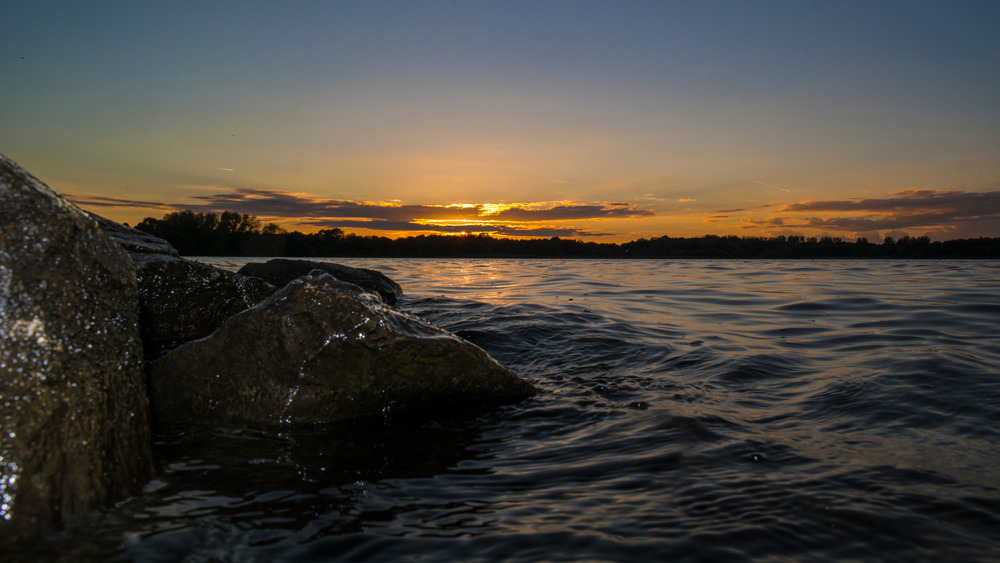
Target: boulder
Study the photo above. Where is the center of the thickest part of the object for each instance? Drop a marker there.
(321, 350)
(74, 420)
(182, 300)
(280, 271)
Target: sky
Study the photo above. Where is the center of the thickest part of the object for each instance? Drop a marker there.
(601, 121)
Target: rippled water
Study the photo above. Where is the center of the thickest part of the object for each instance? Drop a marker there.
(692, 410)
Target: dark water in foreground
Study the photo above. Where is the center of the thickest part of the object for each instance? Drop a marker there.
(692, 410)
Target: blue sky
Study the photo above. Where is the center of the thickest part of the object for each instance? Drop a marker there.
(594, 120)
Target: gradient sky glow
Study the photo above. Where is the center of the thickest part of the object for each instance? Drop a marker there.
(604, 121)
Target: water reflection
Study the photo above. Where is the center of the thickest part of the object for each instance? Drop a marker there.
(219, 491)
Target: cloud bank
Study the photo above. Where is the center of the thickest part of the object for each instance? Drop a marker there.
(937, 213)
(934, 211)
(515, 219)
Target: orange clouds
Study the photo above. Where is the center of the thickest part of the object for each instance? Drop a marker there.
(940, 214)
(512, 219)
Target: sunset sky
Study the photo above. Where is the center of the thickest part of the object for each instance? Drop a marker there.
(605, 121)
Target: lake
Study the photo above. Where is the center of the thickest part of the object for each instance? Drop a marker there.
(693, 410)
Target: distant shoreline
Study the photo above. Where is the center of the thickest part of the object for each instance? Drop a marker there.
(632, 258)
(235, 235)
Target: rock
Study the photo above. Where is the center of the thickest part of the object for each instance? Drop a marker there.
(133, 240)
(74, 419)
(182, 300)
(321, 350)
(280, 271)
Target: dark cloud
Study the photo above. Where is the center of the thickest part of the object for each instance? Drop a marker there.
(511, 230)
(714, 218)
(275, 203)
(842, 223)
(570, 212)
(912, 201)
(935, 210)
(347, 214)
(103, 201)
(279, 204)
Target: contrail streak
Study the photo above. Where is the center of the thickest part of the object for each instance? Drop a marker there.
(770, 186)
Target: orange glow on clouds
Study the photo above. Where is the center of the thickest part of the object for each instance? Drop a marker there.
(937, 213)
(609, 123)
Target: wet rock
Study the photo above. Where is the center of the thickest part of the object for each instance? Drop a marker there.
(133, 240)
(74, 420)
(280, 271)
(181, 300)
(321, 350)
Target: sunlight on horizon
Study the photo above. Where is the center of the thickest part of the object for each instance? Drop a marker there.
(600, 122)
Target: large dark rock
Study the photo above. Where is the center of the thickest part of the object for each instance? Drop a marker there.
(321, 350)
(280, 271)
(182, 300)
(74, 420)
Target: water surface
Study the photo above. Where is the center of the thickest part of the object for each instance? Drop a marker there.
(691, 410)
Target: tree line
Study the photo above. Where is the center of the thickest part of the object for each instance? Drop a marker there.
(233, 234)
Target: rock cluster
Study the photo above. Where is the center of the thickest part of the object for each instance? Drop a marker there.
(320, 350)
(104, 328)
